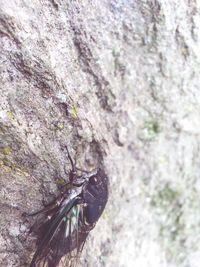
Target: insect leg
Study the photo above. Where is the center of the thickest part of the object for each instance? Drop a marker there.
(71, 161)
(79, 169)
(72, 173)
(47, 208)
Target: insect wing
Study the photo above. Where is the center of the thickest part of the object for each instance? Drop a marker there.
(73, 239)
(62, 238)
(50, 232)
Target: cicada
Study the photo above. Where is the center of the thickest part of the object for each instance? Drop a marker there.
(67, 221)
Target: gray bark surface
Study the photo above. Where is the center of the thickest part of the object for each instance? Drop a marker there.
(117, 81)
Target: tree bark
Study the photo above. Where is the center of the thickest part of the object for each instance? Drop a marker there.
(118, 83)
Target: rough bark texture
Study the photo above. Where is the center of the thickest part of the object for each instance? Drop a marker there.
(118, 82)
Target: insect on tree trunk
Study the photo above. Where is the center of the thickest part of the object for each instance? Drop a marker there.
(117, 82)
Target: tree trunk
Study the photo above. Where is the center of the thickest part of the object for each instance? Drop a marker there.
(118, 83)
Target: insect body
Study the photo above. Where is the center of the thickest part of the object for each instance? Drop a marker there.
(63, 229)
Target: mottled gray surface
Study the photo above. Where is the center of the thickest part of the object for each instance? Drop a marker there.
(118, 81)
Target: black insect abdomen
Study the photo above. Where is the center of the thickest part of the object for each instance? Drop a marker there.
(95, 195)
